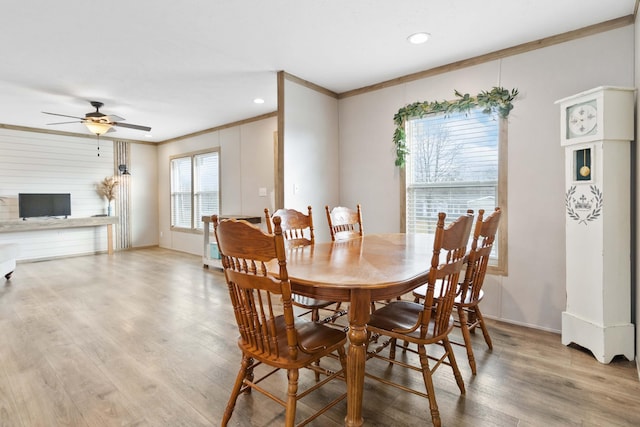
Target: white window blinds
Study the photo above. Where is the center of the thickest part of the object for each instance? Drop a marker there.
(206, 186)
(195, 189)
(452, 167)
(181, 192)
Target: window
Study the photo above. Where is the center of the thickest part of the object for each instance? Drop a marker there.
(456, 163)
(195, 189)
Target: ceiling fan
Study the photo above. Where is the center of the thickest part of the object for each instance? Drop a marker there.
(99, 123)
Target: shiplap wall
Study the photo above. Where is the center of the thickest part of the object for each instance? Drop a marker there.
(45, 163)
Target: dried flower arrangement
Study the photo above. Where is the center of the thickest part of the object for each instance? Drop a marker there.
(108, 187)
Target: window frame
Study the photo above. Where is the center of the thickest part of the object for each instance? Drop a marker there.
(194, 221)
(501, 266)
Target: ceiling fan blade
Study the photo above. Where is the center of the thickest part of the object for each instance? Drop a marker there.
(64, 115)
(113, 118)
(130, 126)
(63, 123)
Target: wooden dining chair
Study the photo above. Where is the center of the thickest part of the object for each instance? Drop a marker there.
(297, 229)
(344, 223)
(429, 322)
(270, 334)
(470, 293)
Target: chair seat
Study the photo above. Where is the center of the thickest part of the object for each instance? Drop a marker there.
(402, 315)
(309, 302)
(421, 291)
(315, 340)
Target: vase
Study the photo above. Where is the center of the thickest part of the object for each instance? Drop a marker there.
(109, 209)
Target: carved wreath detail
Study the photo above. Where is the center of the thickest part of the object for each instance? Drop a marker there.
(583, 208)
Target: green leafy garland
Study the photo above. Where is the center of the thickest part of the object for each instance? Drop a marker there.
(496, 100)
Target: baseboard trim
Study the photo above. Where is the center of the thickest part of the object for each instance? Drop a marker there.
(526, 325)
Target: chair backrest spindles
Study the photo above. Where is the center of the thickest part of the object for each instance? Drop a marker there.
(256, 295)
(344, 223)
(297, 228)
(451, 240)
(484, 234)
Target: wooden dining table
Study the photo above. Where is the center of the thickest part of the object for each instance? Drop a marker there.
(370, 268)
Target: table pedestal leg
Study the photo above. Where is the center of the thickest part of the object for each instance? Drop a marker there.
(356, 356)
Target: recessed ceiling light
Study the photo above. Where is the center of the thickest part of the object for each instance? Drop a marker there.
(418, 38)
(148, 135)
(258, 101)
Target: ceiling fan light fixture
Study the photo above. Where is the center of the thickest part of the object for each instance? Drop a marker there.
(418, 38)
(97, 128)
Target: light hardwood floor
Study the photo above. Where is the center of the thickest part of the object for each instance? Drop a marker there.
(146, 337)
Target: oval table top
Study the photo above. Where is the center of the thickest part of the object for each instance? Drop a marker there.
(387, 265)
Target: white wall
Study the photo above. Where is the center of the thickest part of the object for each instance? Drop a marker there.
(257, 169)
(246, 164)
(311, 153)
(33, 162)
(533, 293)
(144, 195)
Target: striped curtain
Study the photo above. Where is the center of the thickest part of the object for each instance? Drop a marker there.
(121, 156)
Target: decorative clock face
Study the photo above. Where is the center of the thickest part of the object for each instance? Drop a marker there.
(582, 119)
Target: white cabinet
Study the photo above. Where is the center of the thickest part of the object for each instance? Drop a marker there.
(208, 254)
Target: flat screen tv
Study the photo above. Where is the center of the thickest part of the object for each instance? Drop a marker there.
(32, 205)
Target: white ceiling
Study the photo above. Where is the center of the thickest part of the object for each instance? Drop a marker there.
(185, 66)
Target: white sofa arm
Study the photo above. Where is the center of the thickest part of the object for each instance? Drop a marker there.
(8, 254)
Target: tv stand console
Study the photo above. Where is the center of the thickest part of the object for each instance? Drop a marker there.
(53, 217)
(35, 224)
